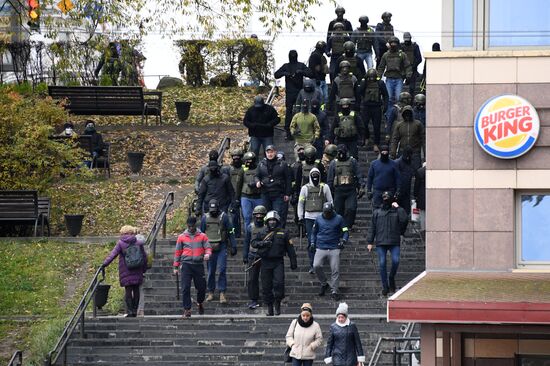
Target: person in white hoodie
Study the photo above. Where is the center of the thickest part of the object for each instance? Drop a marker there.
(304, 337)
(313, 196)
(344, 344)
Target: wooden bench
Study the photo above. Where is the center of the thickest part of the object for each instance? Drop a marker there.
(20, 207)
(44, 206)
(110, 100)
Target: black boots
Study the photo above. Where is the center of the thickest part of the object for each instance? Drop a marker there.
(270, 309)
(277, 308)
(324, 289)
(392, 284)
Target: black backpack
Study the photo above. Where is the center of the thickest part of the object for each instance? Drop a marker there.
(133, 257)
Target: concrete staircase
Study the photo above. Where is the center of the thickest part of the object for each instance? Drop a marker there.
(231, 334)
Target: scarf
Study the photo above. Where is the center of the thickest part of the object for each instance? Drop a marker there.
(346, 323)
(304, 324)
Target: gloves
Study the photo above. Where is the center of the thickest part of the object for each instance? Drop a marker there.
(341, 244)
(311, 247)
(361, 193)
(233, 251)
(369, 195)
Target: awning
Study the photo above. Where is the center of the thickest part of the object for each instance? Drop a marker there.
(473, 297)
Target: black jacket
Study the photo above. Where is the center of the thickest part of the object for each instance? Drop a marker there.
(347, 27)
(96, 140)
(387, 226)
(261, 121)
(344, 345)
(219, 188)
(316, 64)
(294, 73)
(275, 177)
(420, 188)
(274, 245)
(383, 94)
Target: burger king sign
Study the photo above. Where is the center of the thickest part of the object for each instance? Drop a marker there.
(507, 126)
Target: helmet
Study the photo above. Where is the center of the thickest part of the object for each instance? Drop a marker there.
(259, 210)
(237, 152)
(249, 156)
(394, 40)
(310, 152)
(363, 19)
(344, 101)
(386, 14)
(420, 99)
(372, 74)
(405, 97)
(272, 215)
(386, 195)
(338, 26)
(340, 10)
(321, 45)
(344, 64)
(349, 46)
(331, 150)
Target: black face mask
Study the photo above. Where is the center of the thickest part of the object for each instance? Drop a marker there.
(420, 106)
(408, 43)
(328, 214)
(342, 155)
(301, 156)
(315, 179)
(304, 109)
(346, 111)
(344, 71)
(250, 165)
(408, 117)
(237, 162)
(259, 221)
(349, 53)
(393, 46)
(386, 203)
(272, 224)
(384, 157)
(315, 109)
(407, 158)
(214, 213)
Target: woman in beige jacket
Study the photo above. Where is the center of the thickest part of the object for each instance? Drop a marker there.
(303, 337)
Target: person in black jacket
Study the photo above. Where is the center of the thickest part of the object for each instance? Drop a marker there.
(274, 179)
(260, 119)
(389, 222)
(96, 141)
(322, 118)
(419, 193)
(318, 65)
(215, 185)
(406, 174)
(344, 343)
(272, 243)
(294, 73)
(374, 99)
(340, 11)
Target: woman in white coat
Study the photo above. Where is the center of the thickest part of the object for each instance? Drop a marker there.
(304, 337)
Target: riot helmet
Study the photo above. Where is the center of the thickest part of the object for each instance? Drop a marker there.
(331, 150)
(272, 220)
(372, 74)
(420, 100)
(310, 152)
(405, 98)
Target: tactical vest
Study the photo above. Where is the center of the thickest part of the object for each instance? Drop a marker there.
(394, 60)
(344, 173)
(338, 45)
(315, 198)
(346, 87)
(306, 169)
(253, 232)
(386, 32)
(353, 64)
(372, 92)
(214, 230)
(409, 51)
(248, 178)
(234, 175)
(346, 128)
(365, 40)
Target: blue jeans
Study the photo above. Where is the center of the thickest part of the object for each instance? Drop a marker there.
(394, 86)
(218, 259)
(366, 56)
(309, 232)
(296, 362)
(395, 251)
(235, 216)
(256, 142)
(247, 206)
(277, 204)
(323, 88)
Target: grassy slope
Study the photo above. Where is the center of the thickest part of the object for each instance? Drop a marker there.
(45, 280)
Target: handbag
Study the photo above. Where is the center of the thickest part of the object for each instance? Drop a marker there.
(286, 354)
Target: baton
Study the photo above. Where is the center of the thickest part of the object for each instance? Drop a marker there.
(373, 262)
(253, 264)
(177, 286)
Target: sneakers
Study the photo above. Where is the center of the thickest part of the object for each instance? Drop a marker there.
(210, 296)
(324, 289)
(392, 284)
(311, 271)
(335, 296)
(384, 292)
(201, 309)
(277, 308)
(223, 299)
(253, 305)
(187, 313)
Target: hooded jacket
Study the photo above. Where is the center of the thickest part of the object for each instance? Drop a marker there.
(261, 121)
(344, 345)
(328, 232)
(324, 190)
(127, 276)
(294, 73)
(387, 226)
(408, 133)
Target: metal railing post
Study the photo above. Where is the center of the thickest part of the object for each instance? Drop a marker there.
(65, 356)
(82, 332)
(394, 356)
(164, 226)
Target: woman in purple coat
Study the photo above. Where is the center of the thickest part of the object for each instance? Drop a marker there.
(130, 279)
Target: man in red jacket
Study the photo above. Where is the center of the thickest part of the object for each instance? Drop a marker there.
(192, 249)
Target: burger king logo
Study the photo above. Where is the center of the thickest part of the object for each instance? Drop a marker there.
(507, 126)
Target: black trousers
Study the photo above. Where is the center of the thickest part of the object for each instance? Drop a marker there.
(273, 280)
(131, 297)
(374, 114)
(195, 272)
(345, 204)
(253, 285)
(290, 100)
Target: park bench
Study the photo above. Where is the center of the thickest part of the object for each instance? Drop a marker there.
(44, 205)
(110, 100)
(100, 162)
(20, 207)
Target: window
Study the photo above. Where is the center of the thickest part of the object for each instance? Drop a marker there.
(463, 23)
(513, 23)
(533, 228)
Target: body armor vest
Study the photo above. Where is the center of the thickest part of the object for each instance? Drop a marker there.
(344, 173)
(214, 230)
(248, 177)
(393, 60)
(234, 175)
(353, 64)
(409, 51)
(315, 198)
(346, 128)
(372, 92)
(306, 169)
(346, 86)
(338, 44)
(253, 232)
(365, 41)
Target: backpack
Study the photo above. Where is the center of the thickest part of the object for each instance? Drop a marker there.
(133, 257)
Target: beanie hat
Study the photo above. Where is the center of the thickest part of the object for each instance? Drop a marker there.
(342, 309)
(307, 307)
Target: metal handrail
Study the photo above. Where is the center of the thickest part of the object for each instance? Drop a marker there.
(78, 317)
(272, 94)
(159, 221)
(224, 145)
(406, 339)
(16, 359)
